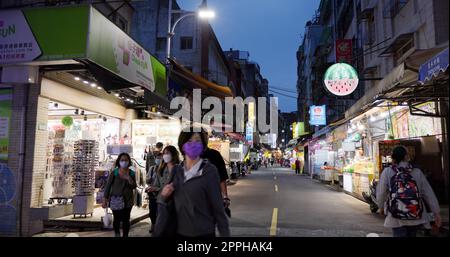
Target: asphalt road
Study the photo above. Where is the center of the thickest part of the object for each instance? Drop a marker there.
(276, 202)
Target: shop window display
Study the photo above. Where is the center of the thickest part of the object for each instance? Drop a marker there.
(58, 183)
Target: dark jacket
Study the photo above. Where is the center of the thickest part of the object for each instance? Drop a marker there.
(116, 186)
(199, 204)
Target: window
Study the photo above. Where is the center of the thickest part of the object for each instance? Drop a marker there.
(401, 51)
(161, 44)
(186, 43)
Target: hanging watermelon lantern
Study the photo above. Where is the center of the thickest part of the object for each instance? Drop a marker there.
(341, 79)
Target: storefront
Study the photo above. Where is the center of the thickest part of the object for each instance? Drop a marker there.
(75, 99)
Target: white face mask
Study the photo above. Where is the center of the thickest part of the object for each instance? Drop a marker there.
(167, 158)
(123, 164)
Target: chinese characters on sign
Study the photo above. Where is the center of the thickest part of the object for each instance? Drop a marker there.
(17, 43)
(344, 50)
(317, 115)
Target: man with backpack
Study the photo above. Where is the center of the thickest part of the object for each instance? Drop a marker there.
(406, 190)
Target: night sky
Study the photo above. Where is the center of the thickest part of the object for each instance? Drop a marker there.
(271, 30)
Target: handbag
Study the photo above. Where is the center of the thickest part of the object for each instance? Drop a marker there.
(107, 220)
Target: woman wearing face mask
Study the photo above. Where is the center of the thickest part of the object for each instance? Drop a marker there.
(171, 158)
(119, 192)
(151, 177)
(196, 192)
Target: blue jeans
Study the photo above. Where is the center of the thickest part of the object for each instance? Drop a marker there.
(406, 231)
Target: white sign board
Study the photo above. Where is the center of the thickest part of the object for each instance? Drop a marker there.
(17, 42)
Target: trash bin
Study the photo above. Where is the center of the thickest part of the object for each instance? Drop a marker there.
(341, 180)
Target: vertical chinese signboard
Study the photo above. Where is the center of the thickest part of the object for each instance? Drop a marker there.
(344, 51)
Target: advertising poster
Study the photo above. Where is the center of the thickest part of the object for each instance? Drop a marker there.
(318, 115)
(7, 178)
(17, 43)
(402, 124)
(112, 48)
(5, 119)
(421, 126)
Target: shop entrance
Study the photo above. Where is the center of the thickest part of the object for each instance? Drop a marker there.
(69, 129)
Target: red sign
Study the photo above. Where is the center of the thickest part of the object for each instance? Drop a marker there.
(344, 51)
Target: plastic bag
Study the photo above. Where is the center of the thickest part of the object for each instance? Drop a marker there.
(107, 220)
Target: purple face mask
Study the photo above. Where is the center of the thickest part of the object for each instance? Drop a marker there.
(193, 149)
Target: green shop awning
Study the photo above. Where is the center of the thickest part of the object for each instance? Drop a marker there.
(70, 34)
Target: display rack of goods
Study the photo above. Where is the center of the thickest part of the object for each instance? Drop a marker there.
(58, 172)
(85, 160)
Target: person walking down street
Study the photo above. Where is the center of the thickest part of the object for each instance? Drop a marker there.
(171, 158)
(150, 158)
(406, 190)
(216, 159)
(297, 166)
(196, 192)
(119, 191)
(152, 196)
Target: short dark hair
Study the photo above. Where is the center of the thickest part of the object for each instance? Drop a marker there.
(399, 153)
(159, 145)
(186, 134)
(120, 156)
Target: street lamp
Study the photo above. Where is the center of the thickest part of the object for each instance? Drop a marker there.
(202, 13)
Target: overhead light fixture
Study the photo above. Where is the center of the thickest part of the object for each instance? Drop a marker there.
(55, 105)
(77, 78)
(405, 103)
(77, 111)
(82, 112)
(86, 82)
(131, 101)
(206, 14)
(99, 88)
(372, 118)
(93, 85)
(117, 95)
(104, 119)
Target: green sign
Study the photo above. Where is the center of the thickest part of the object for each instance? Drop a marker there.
(341, 79)
(5, 120)
(77, 32)
(113, 49)
(61, 32)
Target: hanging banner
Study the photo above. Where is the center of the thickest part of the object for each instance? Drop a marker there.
(344, 51)
(317, 115)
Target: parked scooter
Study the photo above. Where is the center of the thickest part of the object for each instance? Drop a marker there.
(371, 196)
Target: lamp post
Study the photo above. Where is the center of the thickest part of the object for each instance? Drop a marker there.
(203, 13)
